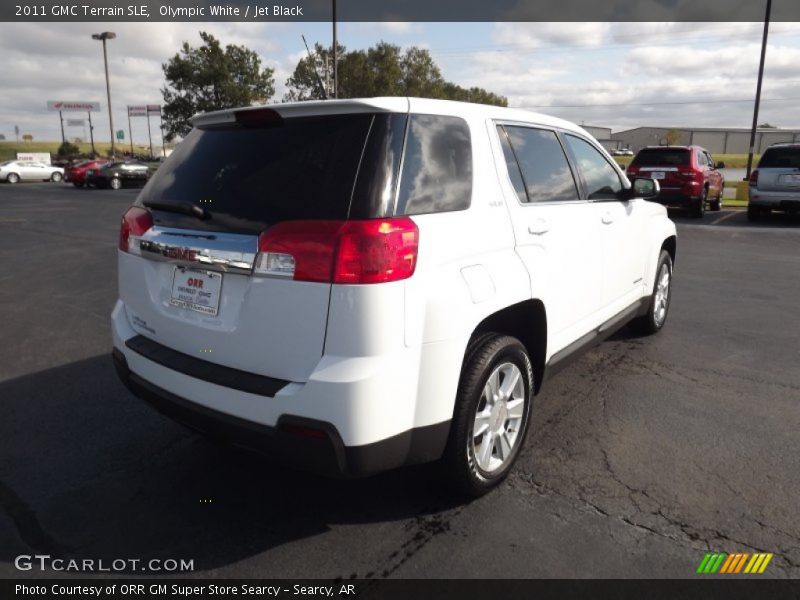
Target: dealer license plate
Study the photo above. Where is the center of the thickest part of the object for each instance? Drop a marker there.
(790, 180)
(196, 290)
(657, 175)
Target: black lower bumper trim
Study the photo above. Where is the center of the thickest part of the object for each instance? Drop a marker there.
(325, 454)
(207, 371)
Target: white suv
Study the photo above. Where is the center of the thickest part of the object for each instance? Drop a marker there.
(356, 285)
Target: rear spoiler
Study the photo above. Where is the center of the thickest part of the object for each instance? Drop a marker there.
(306, 109)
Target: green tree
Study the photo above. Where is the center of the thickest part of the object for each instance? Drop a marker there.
(672, 136)
(382, 70)
(68, 150)
(211, 78)
(768, 126)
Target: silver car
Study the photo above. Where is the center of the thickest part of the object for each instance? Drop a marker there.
(14, 171)
(775, 184)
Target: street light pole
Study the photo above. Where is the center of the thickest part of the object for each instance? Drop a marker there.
(107, 35)
(335, 56)
(758, 92)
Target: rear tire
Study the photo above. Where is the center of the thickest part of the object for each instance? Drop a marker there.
(753, 213)
(115, 183)
(491, 415)
(699, 207)
(12, 178)
(77, 184)
(56, 177)
(660, 299)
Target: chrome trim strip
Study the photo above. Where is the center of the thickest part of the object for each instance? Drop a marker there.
(223, 252)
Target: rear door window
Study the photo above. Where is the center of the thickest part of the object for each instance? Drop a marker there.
(546, 175)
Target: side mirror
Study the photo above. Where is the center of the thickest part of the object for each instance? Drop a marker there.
(720, 165)
(644, 187)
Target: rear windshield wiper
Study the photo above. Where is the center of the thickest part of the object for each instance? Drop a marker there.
(184, 208)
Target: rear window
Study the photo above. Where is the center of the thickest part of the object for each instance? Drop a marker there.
(780, 158)
(662, 157)
(250, 178)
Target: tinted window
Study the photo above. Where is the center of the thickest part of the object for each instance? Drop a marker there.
(250, 178)
(512, 166)
(662, 157)
(437, 166)
(601, 179)
(545, 170)
(780, 157)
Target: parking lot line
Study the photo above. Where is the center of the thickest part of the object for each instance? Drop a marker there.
(725, 217)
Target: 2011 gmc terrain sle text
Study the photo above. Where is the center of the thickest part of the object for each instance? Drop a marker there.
(384, 281)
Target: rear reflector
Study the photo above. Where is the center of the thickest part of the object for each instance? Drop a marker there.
(135, 222)
(355, 252)
(303, 431)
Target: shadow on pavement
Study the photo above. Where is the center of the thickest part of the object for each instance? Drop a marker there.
(87, 470)
(738, 218)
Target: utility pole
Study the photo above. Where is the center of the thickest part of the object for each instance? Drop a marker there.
(335, 56)
(107, 35)
(758, 92)
(61, 118)
(91, 133)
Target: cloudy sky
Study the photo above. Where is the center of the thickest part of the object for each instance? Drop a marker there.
(619, 75)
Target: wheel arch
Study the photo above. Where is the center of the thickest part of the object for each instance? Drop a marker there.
(526, 321)
(670, 244)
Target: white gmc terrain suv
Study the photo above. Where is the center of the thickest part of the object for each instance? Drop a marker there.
(356, 285)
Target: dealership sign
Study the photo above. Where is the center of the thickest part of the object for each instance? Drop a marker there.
(63, 106)
(142, 110)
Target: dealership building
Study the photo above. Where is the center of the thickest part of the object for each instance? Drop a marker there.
(715, 140)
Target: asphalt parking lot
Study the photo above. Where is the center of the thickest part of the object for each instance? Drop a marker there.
(644, 455)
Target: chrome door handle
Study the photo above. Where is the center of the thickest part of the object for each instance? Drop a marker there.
(538, 227)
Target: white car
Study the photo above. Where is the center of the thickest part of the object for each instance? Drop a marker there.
(14, 171)
(356, 285)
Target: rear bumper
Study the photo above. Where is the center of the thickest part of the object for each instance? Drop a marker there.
(296, 441)
(678, 197)
(775, 200)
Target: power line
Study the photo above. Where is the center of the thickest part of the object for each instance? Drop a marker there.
(675, 103)
(532, 48)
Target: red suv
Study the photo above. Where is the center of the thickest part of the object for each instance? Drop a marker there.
(688, 175)
(76, 174)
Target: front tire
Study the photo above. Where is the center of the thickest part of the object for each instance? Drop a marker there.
(12, 178)
(115, 183)
(660, 300)
(491, 415)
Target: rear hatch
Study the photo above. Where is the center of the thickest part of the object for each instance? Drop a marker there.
(779, 170)
(195, 281)
(671, 166)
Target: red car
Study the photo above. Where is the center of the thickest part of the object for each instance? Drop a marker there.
(688, 175)
(76, 174)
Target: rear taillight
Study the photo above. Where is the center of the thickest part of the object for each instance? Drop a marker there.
(754, 178)
(135, 222)
(687, 172)
(632, 169)
(356, 252)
